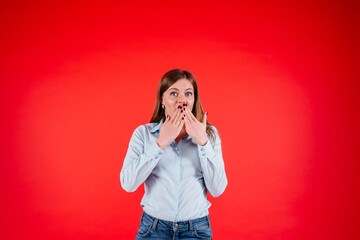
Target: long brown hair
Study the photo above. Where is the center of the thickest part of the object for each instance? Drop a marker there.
(166, 81)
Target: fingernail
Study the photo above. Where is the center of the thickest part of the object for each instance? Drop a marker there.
(184, 115)
(182, 118)
(181, 110)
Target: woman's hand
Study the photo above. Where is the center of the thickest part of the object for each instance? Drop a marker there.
(170, 130)
(195, 129)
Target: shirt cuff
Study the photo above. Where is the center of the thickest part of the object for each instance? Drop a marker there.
(206, 150)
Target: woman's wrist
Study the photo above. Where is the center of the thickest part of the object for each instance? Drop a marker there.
(161, 145)
(203, 142)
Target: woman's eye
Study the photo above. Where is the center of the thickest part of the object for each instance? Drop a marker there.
(188, 94)
(173, 94)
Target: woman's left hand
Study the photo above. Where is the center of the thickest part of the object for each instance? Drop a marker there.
(195, 128)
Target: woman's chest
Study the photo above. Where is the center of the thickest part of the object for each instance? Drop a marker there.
(180, 159)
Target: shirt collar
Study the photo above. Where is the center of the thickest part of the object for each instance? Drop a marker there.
(156, 127)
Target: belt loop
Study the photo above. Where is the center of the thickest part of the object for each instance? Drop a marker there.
(155, 224)
(191, 226)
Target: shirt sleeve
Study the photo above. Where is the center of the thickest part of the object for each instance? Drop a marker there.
(213, 167)
(141, 158)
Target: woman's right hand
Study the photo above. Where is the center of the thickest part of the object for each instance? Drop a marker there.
(170, 129)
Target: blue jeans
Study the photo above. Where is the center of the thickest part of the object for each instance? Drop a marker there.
(154, 228)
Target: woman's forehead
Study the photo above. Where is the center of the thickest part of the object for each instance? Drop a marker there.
(182, 84)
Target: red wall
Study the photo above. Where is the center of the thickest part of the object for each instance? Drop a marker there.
(277, 78)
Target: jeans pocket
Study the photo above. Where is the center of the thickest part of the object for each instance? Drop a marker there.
(144, 229)
(203, 231)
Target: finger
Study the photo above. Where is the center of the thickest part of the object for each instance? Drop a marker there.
(186, 112)
(177, 118)
(204, 118)
(182, 116)
(182, 109)
(186, 119)
(173, 119)
(190, 115)
(182, 122)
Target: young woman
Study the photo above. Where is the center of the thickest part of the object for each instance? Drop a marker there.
(178, 156)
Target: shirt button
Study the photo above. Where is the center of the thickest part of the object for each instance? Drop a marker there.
(202, 149)
(160, 153)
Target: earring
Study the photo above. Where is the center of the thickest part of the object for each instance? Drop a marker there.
(162, 105)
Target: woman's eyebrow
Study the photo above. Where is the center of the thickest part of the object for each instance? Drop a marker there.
(178, 89)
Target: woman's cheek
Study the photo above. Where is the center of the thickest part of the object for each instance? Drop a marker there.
(172, 113)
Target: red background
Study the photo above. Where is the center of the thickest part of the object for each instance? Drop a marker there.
(277, 78)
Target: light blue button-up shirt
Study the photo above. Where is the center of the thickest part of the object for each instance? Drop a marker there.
(177, 178)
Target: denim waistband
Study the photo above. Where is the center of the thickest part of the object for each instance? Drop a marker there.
(169, 224)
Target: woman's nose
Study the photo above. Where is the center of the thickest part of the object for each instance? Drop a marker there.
(181, 102)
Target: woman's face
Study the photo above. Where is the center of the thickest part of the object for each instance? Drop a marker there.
(182, 91)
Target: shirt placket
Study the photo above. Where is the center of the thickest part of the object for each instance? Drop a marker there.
(177, 178)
